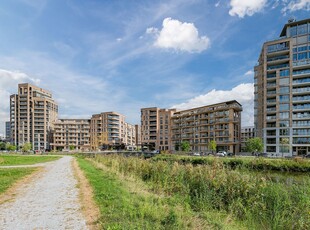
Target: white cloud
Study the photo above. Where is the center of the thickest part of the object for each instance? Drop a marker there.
(242, 8)
(249, 73)
(8, 85)
(179, 36)
(243, 93)
(297, 5)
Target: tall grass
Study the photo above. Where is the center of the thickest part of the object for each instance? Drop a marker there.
(259, 202)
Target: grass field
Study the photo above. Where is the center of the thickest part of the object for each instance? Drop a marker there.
(10, 175)
(128, 203)
(6, 160)
(214, 194)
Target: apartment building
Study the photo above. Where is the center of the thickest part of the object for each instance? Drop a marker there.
(109, 129)
(156, 128)
(247, 132)
(8, 131)
(282, 91)
(138, 135)
(219, 122)
(71, 134)
(32, 113)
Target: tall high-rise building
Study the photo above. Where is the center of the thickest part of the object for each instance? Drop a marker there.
(32, 113)
(282, 91)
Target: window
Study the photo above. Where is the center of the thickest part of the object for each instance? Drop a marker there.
(284, 73)
(284, 107)
(284, 81)
(283, 123)
(284, 98)
(302, 29)
(302, 48)
(302, 56)
(284, 132)
(284, 89)
(284, 115)
(293, 31)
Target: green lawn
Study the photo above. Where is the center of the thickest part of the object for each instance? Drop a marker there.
(10, 175)
(24, 160)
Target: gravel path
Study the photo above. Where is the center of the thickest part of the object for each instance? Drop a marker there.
(50, 202)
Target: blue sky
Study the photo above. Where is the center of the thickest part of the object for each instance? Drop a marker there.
(123, 55)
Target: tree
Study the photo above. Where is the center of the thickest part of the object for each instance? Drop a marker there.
(284, 141)
(254, 145)
(212, 146)
(185, 146)
(2, 146)
(26, 147)
(10, 147)
(71, 147)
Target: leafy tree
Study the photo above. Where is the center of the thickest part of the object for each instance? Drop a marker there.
(254, 145)
(71, 147)
(212, 145)
(10, 147)
(26, 147)
(185, 146)
(2, 146)
(284, 142)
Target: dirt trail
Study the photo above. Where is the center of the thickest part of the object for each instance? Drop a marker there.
(50, 202)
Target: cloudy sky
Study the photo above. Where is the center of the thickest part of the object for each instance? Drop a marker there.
(101, 55)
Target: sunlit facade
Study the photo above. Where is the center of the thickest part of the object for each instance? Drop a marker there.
(282, 91)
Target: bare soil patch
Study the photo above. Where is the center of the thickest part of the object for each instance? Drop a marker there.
(89, 208)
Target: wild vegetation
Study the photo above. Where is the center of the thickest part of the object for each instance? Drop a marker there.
(248, 199)
(257, 163)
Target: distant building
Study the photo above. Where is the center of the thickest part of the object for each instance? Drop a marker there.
(109, 129)
(32, 113)
(247, 132)
(166, 129)
(71, 134)
(282, 91)
(8, 131)
(156, 128)
(219, 122)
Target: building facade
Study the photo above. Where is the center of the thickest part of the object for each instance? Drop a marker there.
(282, 91)
(71, 134)
(32, 113)
(219, 122)
(247, 132)
(156, 128)
(8, 131)
(109, 129)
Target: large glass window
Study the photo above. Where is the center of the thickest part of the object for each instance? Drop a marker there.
(284, 115)
(302, 48)
(293, 31)
(284, 89)
(284, 81)
(283, 123)
(302, 29)
(302, 56)
(284, 132)
(284, 73)
(284, 107)
(284, 98)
